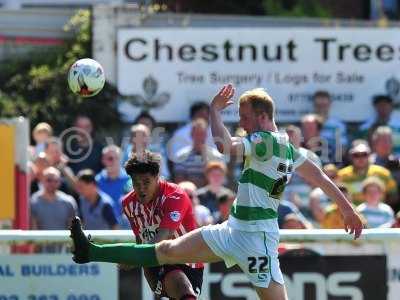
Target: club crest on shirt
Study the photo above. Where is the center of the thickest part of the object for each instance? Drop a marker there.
(256, 138)
(175, 215)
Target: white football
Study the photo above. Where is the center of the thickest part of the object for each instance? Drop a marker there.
(86, 77)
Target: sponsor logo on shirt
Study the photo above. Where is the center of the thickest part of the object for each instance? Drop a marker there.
(175, 215)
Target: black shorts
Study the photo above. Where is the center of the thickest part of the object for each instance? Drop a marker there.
(195, 276)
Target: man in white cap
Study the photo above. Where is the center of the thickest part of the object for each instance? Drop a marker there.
(360, 169)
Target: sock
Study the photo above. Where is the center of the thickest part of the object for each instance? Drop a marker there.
(136, 255)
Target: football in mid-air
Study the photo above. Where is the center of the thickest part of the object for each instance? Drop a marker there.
(86, 77)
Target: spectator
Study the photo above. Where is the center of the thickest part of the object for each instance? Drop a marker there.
(311, 126)
(36, 173)
(57, 159)
(382, 145)
(319, 201)
(191, 160)
(224, 209)
(182, 137)
(41, 133)
(292, 221)
(376, 213)
(382, 142)
(298, 190)
(140, 141)
(332, 216)
(360, 169)
(202, 214)
(214, 195)
(333, 130)
(296, 139)
(286, 208)
(84, 152)
(51, 209)
(146, 119)
(95, 206)
(331, 171)
(383, 106)
(396, 223)
(112, 180)
(158, 136)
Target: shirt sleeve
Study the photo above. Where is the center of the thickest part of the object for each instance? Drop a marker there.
(174, 210)
(299, 157)
(109, 216)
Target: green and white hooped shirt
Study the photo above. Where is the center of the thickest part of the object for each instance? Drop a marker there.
(269, 163)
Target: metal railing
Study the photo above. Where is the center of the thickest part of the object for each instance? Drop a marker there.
(288, 235)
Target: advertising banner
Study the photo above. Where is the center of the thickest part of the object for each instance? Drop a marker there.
(167, 69)
(55, 277)
(361, 277)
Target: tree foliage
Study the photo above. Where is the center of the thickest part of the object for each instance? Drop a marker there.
(281, 8)
(298, 8)
(35, 85)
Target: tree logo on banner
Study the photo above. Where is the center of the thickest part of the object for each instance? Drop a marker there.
(392, 86)
(150, 99)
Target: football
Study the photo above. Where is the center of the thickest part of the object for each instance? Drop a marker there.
(86, 77)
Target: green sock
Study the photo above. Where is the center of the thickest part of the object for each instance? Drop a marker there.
(125, 253)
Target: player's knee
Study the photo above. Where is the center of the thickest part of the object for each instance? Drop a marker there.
(177, 285)
(166, 252)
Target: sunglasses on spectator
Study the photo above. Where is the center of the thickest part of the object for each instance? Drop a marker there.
(52, 180)
(110, 158)
(359, 155)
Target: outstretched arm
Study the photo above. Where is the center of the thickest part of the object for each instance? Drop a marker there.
(223, 140)
(317, 177)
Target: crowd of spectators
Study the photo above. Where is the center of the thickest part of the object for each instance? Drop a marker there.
(85, 176)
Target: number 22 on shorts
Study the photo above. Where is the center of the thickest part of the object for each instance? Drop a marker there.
(258, 264)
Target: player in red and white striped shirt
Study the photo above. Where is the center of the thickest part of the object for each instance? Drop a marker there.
(158, 210)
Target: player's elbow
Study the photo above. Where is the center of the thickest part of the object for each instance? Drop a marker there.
(311, 173)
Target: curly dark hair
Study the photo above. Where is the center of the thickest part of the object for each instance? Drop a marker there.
(143, 163)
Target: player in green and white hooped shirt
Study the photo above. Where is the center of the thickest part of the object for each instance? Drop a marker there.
(269, 163)
(250, 237)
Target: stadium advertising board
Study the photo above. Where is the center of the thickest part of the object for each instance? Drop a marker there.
(167, 69)
(310, 278)
(55, 277)
(306, 278)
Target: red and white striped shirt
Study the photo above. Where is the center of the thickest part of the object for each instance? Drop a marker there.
(172, 209)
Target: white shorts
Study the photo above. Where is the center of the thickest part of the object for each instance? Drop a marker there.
(256, 253)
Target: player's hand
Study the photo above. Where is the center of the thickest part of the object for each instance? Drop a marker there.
(352, 223)
(62, 162)
(223, 98)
